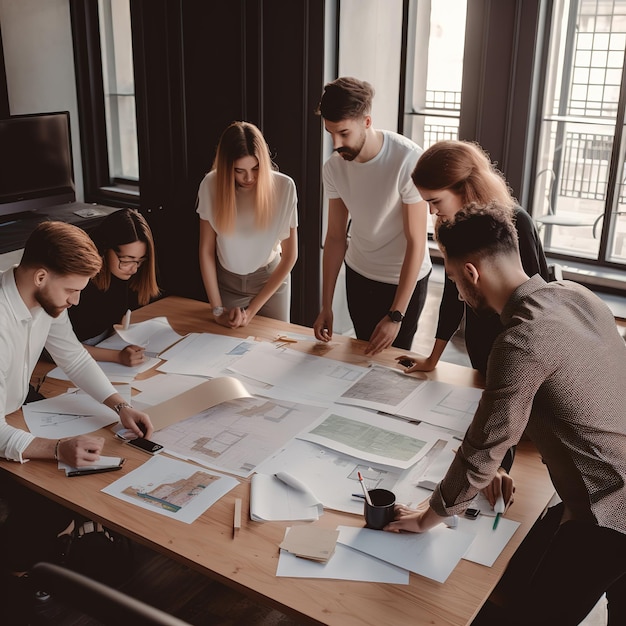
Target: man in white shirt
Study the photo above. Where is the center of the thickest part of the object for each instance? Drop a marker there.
(58, 261)
(368, 181)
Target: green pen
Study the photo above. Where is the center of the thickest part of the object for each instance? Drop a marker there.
(498, 507)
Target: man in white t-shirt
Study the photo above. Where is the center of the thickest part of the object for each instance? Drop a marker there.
(376, 222)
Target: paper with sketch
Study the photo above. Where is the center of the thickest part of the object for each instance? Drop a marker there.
(70, 414)
(235, 436)
(381, 389)
(345, 564)
(310, 376)
(115, 372)
(442, 404)
(204, 354)
(172, 488)
(196, 399)
(330, 475)
(433, 554)
(155, 335)
(370, 436)
(273, 499)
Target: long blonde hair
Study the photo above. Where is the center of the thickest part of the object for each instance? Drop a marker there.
(239, 140)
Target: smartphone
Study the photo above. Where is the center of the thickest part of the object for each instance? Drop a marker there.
(472, 513)
(145, 445)
(405, 361)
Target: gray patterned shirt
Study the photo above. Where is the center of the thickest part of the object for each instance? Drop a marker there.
(558, 372)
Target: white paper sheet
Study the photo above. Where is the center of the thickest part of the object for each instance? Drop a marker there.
(115, 372)
(310, 376)
(345, 564)
(433, 554)
(172, 488)
(69, 414)
(273, 499)
(488, 543)
(204, 354)
(155, 335)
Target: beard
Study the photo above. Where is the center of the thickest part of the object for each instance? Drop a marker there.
(476, 301)
(349, 153)
(45, 302)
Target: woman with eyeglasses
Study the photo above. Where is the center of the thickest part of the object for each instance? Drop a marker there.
(126, 281)
(248, 230)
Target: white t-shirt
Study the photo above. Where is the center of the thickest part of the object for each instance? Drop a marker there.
(374, 193)
(248, 248)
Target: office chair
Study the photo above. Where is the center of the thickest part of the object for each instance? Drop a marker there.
(103, 603)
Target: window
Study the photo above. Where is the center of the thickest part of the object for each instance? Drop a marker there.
(434, 70)
(119, 89)
(580, 195)
(106, 95)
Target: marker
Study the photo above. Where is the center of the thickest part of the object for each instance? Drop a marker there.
(498, 507)
(452, 521)
(127, 320)
(366, 494)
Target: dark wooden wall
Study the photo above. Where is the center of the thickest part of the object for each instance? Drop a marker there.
(198, 67)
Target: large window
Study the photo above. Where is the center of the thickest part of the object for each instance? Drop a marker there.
(106, 93)
(434, 70)
(119, 89)
(580, 199)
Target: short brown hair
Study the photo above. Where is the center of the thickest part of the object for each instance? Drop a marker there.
(61, 248)
(345, 98)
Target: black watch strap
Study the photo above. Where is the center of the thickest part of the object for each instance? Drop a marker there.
(395, 316)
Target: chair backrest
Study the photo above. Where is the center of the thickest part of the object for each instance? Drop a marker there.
(550, 180)
(93, 598)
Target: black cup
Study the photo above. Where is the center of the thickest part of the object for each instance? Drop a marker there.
(381, 511)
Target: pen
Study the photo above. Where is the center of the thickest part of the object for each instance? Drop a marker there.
(366, 495)
(358, 495)
(498, 507)
(127, 320)
(286, 339)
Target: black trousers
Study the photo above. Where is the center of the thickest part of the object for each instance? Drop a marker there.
(558, 574)
(369, 301)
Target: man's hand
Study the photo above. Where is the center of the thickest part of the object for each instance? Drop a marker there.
(323, 326)
(417, 520)
(503, 484)
(137, 421)
(80, 451)
(383, 336)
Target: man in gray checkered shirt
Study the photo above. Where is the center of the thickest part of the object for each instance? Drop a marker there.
(556, 374)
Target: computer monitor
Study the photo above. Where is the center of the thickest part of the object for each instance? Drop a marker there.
(36, 168)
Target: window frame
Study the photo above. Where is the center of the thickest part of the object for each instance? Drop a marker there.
(99, 186)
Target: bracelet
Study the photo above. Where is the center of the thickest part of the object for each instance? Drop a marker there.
(56, 450)
(122, 405)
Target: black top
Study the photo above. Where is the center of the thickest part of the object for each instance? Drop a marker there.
(98, 310)
(480, 332)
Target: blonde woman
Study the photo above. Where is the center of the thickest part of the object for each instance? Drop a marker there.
(248, 230)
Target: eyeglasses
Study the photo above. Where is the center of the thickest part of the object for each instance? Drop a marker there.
(125, 263)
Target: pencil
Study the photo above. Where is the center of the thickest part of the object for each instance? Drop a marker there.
(237, 517)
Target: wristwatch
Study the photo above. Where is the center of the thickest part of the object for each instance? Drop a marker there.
(122, 405)
(395, 316)
(217, 311)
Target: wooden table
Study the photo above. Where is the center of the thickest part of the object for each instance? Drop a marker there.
(248, 561)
